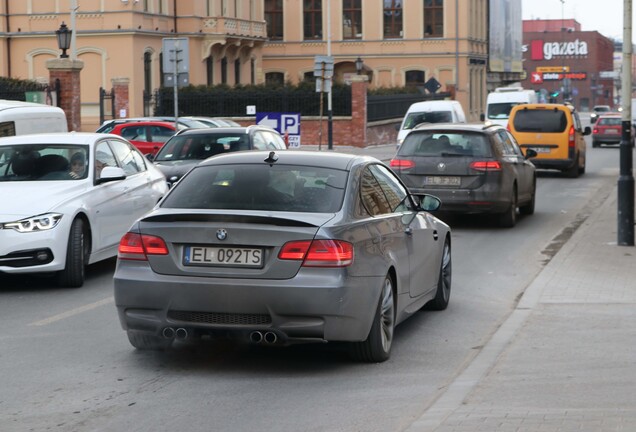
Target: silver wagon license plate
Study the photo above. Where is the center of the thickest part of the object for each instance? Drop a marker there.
(222, 256)
(442, 181)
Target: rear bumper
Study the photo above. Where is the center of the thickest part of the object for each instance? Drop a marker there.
(312, 306)
(559, 164)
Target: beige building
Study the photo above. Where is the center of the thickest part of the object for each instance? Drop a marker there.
(401, 43)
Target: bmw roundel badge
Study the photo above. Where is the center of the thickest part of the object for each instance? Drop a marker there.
(221, 234)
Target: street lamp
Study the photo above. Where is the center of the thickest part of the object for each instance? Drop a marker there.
(359, 65)
(63, 39)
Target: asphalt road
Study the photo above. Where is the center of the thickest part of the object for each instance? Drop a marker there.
(66, 365)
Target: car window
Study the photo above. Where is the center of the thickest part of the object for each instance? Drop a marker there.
(7, 128)
(610, 121)
(126, 156)
(372, 196)
(274, 141)
(540, 120)
(395, 193)
(415, 118)
(161, 133)
(103, 157)
(260, 187)
(577, 121)
(513, 142)
(188, 147)
(435, 143)
(134, 133)
(259, 141)
(502, 140)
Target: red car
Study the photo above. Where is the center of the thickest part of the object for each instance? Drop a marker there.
(147, 136)
(608, 130)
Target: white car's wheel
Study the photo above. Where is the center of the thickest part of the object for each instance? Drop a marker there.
(73, 274)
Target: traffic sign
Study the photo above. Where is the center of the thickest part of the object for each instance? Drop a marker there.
(287, 124)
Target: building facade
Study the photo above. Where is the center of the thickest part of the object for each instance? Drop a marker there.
(564, 63)
(251, 42)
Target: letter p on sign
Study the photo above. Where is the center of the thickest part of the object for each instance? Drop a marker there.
(290, 123)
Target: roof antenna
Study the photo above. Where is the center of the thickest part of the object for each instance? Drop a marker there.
(271, 158)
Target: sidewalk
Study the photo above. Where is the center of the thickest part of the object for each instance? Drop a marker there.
(565, 359)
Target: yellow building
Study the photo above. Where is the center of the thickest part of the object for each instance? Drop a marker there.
(401, 43)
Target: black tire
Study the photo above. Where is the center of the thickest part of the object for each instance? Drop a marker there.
(147, 341)
(573, 171)
(377, 346)
(442, 295)
(508, 219)
(76, 257)
(595, 144)
(528, 208)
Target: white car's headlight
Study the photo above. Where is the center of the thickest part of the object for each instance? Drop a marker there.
(35, 223)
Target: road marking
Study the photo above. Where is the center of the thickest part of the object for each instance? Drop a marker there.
(73, 312)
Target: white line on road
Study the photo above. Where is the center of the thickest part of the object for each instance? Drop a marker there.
(73, 312)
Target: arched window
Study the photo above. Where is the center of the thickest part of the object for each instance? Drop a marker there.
(148, 72)
(414, 78)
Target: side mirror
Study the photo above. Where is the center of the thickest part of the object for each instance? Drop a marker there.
(482, 117)
(531, 153)
(587, 131)
(150, 156)
(428, 203)
(110, 174)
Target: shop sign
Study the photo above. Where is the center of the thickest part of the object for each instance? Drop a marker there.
(541, 50)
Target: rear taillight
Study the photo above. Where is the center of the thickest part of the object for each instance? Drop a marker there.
(595, 130)
(402, 163)
(135, 246)
(486, 166)
(318, 253)
(571, 141)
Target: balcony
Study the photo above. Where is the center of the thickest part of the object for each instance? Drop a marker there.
(224, 26)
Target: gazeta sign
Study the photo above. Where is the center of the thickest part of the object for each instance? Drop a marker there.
(542, 50)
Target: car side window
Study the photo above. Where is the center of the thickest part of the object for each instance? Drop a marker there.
(395, 193)
(160, 133)
(577, 122)
(258, 141)
(514, 144)
(126, 156)
(104, 157)
(134, 133)
(274, 141)
(506, 145)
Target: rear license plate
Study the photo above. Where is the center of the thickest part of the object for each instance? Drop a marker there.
(223, 256)
(612, 131)
(442, 181)
(540, 149)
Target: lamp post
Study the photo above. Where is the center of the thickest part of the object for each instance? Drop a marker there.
(359, 64)
(63, 39)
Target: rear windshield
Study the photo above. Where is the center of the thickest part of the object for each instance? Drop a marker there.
(445, 144)
(610, 121)
(498, 111)
(260, 187)
(540, 120)
(415, 118)
(182, 147)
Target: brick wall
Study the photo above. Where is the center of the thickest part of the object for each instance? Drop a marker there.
(68, 72)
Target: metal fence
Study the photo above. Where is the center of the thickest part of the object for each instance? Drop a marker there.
(216, 103)
(392, 106)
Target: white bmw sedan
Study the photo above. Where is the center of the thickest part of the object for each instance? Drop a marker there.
(68, 198)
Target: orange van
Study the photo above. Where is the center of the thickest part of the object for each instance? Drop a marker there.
(554, 131)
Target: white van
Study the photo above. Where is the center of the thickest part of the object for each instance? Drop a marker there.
(500, 102)
(442, 111)
(21, 118)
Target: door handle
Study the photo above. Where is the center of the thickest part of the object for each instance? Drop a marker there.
(435, 235)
